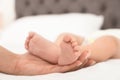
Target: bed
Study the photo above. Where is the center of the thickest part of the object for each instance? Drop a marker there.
(109, 9)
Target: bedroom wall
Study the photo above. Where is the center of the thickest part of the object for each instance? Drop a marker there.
(7, 11)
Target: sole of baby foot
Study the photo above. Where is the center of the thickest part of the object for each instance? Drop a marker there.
(68, 55)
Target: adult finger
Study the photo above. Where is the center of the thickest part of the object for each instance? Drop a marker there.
(78, 64)
(67, 67)
(90, 62)
(84, 58)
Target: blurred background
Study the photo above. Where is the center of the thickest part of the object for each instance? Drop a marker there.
(7, 12)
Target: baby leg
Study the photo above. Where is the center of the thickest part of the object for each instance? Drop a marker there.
(39, 46)
(104, 48)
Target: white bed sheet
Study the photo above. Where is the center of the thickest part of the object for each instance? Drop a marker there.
(109, 70)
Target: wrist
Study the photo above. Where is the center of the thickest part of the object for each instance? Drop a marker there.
(10, 66)
(13, 65)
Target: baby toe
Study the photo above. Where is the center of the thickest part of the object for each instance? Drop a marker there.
(77, 48)
(74, 44)
(66, 38)
(31, 34)
(26, 44)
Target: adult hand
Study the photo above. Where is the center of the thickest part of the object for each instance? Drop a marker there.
(29, 64)
(85, 61)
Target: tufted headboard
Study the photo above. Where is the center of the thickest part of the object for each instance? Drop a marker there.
(109, 8)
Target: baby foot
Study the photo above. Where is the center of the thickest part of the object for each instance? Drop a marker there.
(70, 50)
(40, 47)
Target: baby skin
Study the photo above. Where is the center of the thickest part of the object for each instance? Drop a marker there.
(103, 48)
(62, 52)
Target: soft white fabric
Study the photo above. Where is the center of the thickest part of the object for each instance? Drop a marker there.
(109, 70)
(49, 26)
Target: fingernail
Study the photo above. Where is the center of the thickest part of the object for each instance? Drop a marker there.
(79, 63)
(94, 62)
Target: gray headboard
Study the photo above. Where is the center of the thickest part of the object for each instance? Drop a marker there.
(109, 8)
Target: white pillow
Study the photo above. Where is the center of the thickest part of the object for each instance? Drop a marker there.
(49, 26)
